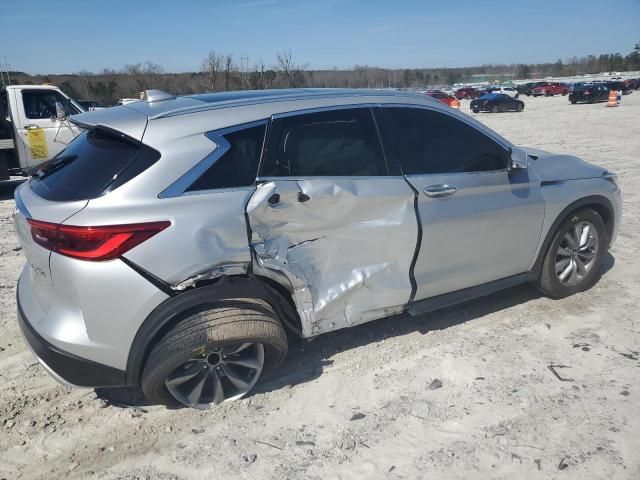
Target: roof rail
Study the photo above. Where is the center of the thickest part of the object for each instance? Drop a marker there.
(150, 96)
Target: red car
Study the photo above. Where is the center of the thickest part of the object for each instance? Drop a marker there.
(468, 93)
(550, 89)
(443, 97)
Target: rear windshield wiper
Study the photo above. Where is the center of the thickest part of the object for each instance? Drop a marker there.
(49, 168)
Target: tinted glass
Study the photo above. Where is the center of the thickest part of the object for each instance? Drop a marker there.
(238, 166)
(42, 104)
(332, 143)
(429, 142)
(97, 161)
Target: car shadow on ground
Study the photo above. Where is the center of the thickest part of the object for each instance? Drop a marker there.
(7, 187)
(307, 360)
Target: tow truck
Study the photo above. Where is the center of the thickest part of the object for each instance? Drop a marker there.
(34, 127)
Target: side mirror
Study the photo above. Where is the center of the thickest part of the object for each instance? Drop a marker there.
(518, 159)
(61, 114)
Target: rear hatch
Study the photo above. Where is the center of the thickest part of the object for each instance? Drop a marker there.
(96, 162)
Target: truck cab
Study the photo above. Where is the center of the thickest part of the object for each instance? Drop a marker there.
(34, 126)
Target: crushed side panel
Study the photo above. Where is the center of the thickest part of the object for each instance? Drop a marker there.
(346, 251)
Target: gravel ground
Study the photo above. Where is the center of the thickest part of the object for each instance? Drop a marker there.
(461, 393)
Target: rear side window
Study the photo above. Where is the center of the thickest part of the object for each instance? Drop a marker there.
(429, 142)
(238, 166)
(341, 142)
(96, 162)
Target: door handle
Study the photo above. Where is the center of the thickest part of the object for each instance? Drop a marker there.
(31, 126)
(439, 191)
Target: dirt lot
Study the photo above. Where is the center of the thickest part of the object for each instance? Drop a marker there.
(363, 403)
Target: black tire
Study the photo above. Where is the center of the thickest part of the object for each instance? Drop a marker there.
(573, 102)
(548, 282)
(222, 323)
(519, 107)
(476, 111)
(494, 109)
(547, 93)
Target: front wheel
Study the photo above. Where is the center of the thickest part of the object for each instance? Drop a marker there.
(215, 354)
(572, 263)
(475, 110)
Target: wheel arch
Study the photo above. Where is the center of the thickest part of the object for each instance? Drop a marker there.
(175, 308)
(599, 203)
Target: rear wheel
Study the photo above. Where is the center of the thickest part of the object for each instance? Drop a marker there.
(519, 107)
(572, 263)
(547, 93)
(494, 109)
(216, 354)
(475, 110)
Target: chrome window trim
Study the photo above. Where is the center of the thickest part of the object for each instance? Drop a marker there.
(180, 186)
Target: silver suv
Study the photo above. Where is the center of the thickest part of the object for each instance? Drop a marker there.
(178, 242)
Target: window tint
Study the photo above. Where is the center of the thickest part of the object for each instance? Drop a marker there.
(42, 104)
(238, 166)
(341, 142)
(97, 161)
(428, 142)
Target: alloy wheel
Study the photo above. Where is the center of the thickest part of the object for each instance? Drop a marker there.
(216, 374)
(577, 253)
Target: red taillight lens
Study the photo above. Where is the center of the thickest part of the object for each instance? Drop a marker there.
(93, 243)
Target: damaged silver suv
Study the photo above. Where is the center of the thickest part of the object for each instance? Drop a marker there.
(178, 241)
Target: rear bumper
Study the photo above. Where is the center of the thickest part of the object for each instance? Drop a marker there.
(66, 367)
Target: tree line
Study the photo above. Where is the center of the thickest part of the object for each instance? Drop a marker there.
(220, 71)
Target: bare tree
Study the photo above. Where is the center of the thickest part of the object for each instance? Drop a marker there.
(144, 75)
(291, 71)
(228, 65)
(211, 66)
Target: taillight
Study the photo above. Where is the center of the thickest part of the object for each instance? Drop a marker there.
(93, 243)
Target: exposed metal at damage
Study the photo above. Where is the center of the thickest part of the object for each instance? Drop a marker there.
(346, 250)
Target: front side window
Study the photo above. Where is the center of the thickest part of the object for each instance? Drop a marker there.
(341, 142)
(41, 104)
(238, 166)
(429, 142)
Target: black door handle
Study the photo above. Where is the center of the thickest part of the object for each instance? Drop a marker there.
(303, 197)
(274, 199)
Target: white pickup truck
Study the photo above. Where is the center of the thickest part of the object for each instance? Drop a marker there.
(34, 126)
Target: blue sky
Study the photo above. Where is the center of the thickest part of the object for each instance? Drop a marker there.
(44, 36)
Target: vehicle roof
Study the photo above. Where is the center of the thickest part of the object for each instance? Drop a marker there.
(209, 101)
(162, 122)
(491, 96)
(46, 86)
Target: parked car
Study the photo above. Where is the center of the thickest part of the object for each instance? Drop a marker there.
(550, 89)
(467, 93)
(496, 102)
(330, 209)
(619, 87)
(589, 93)
(512, 92)
(526, 88)
(442, 97)
(90, 105)
(633, 84)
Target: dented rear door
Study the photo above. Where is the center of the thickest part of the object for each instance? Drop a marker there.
(329, 218)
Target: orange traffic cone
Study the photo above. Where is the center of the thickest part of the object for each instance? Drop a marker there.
(455, 103)
(613, 99)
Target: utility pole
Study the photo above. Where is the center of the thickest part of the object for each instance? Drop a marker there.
(4, 70)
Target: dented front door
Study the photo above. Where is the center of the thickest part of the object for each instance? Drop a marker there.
(328, 217)
(345, 245)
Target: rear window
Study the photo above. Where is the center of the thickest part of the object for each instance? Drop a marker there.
(96, 162)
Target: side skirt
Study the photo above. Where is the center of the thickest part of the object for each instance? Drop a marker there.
(448, 299)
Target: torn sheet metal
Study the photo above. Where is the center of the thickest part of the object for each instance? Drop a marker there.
(346, 250)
